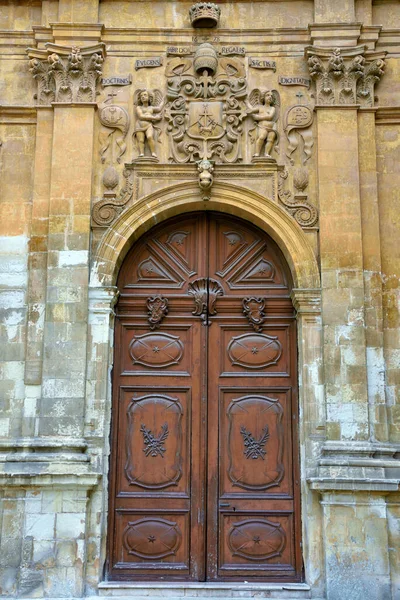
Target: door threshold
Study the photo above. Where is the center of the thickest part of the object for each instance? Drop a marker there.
(175, 590)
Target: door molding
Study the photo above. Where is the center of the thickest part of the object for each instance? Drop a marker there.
(306, 297)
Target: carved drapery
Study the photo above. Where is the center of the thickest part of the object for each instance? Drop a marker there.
(345, 75)
(66, 74)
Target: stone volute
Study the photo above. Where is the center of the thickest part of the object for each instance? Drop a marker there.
(205, 59)
(204, 15)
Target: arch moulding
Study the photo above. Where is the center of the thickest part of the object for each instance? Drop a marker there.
(161, 205)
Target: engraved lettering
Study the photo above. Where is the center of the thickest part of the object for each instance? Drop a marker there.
(294, 81)
(262, 63)
(148, 62)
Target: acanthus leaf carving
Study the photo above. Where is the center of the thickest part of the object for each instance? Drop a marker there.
(67, 74)
(345, 75)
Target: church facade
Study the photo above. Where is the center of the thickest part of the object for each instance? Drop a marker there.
(200, 299)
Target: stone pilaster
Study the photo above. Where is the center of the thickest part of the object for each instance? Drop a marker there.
(307, 303)
(344, 78)
(71, 74)
(372, 276)
(97, 418)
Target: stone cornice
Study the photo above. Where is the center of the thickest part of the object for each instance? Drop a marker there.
(388, 115)
(24, 115)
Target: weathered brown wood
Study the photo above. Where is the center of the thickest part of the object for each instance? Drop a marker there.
(204, 468)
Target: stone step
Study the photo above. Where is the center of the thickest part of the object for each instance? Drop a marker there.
(207, 590)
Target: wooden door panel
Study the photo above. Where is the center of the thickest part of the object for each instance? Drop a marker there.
(156, 453)
(157, 541)
(166, 351)
(255, 432)
(256, 545)
(244, 352)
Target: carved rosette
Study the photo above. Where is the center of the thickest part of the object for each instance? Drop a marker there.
(66, 74)
(345, 75)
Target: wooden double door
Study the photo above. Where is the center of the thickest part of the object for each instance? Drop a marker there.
(204, 478)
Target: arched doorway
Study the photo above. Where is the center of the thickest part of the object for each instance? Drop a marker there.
(204, 478)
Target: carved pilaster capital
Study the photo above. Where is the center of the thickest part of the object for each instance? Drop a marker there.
(345, 76)
(66, 74)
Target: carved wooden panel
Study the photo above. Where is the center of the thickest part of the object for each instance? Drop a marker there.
(152, 541)
(254, 350)
(255, 442)
(256, 539)
(246, 352)
(156, 350)
(160, 351)
(154, 442)
(259, 544)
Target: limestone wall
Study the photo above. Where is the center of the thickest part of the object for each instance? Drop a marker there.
(65, 229)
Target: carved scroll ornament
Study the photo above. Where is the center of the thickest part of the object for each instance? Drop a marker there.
(157, 309)
(253, 309)
(298, 205)
(108, 208)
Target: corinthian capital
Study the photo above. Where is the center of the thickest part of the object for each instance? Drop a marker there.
(66, 74)
(345, 75)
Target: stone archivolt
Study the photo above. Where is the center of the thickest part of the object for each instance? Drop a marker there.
(345, 75)
(66, 74)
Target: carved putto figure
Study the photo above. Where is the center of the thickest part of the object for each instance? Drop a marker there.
(148, 108)
(263, 106)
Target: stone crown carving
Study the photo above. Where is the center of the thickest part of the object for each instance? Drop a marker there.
(204, 14)
(66, 74)
(345, 75)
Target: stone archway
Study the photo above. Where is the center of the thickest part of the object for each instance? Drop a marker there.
(270, 217)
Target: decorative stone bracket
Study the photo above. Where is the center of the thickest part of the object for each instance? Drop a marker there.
(66, 74)
(345, 75)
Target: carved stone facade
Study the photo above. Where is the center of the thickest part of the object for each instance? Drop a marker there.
(115, 116)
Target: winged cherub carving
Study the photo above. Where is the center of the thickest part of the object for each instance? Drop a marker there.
(148, 106)
(263, 106)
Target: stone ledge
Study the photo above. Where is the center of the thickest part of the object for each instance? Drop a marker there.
(209, 590)
(64, 481)
(340, 484)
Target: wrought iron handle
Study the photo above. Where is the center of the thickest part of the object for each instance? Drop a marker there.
(222, 504)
